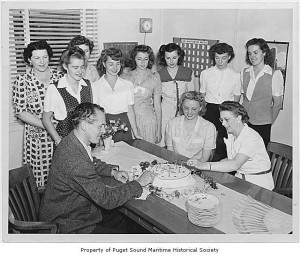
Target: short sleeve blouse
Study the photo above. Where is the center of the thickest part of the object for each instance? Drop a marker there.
(113, 101)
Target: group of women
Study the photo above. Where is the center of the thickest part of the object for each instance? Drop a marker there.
(162, 107)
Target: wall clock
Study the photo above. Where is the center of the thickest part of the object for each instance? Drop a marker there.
(145, 25)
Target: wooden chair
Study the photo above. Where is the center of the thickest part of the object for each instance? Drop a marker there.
(281, 157)
(24, 202)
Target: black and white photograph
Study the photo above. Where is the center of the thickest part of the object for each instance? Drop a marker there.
(139, 127)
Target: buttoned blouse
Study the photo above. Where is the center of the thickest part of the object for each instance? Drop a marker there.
(113, 101)
(250, 143)
(220, 85)
(191, 144)
(277, 81)
(54, 101)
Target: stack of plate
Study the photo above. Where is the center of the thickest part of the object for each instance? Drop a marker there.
(203, 210)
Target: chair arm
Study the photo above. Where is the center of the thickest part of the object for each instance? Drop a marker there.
(20, 226)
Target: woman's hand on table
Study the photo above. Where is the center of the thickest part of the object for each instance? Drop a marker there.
(121, 175)
(195, 163)
(146, 178)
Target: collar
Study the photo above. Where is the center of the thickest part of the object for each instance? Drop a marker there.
(62, 83)
(87, 148)
(196, 127)
(266, 69)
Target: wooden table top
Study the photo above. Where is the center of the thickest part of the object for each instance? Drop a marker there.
(171, 219)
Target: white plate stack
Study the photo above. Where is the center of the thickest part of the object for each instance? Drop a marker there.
(203, 210)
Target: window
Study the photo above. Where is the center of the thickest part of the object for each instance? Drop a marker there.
(58, 27)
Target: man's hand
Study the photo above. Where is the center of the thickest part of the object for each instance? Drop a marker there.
(120, 175)
(146, 178)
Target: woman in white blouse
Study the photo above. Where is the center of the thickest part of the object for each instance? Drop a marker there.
(114, 94)
(246, 152)
(189, 134)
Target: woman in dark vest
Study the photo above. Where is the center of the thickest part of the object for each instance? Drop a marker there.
(175, 79)
(64, 96)
(262, 88)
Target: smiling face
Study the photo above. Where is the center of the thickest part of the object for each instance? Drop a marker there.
(171, 59)
(191, 109)
(39, 60)
(112, 67)
(75, 69)
(256, 55)
(141, 60)
(222, 61)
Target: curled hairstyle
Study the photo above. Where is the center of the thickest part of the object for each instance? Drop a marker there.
(113, 53)
(170, 48)
(221, 48)
(85, 111)
(268, 59)
(81, 40)
(236, 108)
(37, 45)
(72, 52)
(196, 96)
(143, 49)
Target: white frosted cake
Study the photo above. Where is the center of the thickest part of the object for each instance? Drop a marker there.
(172, 176)
(167, 175)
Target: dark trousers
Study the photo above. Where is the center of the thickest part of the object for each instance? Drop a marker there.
(263, 130)
(115, 222)
(213, 115)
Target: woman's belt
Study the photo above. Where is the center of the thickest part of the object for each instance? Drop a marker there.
(258, 173)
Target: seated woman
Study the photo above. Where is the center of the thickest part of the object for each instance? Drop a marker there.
(114, 94)
(245, 149)
(190, 134)
(63, 96)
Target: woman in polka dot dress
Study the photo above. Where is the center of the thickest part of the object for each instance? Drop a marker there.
(28, 97)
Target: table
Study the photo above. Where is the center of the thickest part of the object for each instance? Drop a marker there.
(159, 216)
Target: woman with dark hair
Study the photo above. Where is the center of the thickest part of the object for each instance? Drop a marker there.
(190, 134)
(87, 45)
(246, 152)
(175, 79)
(262, 88)
(147, 93)
(114, 94)
(63, 96)
(218, 84)
(28, 97)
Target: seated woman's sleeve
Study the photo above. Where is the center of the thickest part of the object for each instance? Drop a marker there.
(19, 94)
(249, 146)
(210, 137)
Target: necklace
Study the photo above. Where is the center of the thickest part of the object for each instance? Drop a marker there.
(140, 77)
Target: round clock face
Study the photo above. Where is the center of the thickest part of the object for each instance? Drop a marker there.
(147, 25)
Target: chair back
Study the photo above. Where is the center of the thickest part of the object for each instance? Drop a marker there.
(23, 194)
(281, 157)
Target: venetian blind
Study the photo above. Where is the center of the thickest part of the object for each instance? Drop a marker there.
(57, 27)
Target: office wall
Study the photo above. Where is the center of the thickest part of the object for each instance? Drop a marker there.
(236, 27)
(232, 26)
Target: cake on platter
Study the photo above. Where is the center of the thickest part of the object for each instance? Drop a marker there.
(167, 175)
